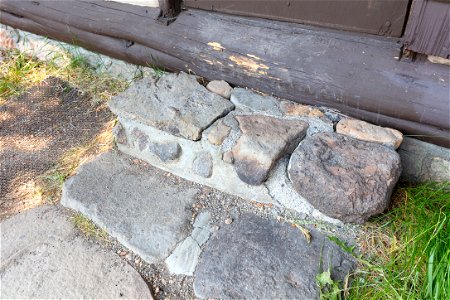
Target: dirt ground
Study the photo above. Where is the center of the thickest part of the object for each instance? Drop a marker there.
(37, 129)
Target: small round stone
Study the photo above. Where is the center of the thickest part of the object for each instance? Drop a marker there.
(228, 221)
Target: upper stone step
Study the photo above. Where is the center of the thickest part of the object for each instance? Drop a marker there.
(242, 146)
(175, 103)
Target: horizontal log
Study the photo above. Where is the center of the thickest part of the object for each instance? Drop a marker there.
(355, 74)
(117, 48)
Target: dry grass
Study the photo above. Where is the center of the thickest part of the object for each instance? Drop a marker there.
(405, 252)
(50, 187)
(19, 72)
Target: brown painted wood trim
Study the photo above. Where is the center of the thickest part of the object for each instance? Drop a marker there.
(353, 73)
(379, 17)
(428, 28)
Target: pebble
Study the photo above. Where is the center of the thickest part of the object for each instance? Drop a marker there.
(228, 221)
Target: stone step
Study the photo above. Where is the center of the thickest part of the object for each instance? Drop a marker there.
(242, 146)
(149, 214)
(232, 249)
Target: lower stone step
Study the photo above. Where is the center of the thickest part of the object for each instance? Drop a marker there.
(233, 249)
(147, 212)
(44, 257)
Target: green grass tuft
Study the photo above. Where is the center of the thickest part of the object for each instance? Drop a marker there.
(407, 250)
(88, 228)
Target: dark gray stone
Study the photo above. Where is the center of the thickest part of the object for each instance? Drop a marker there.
(250, 101)
(256, 258)
(176, 103)
(44, 257)
(203, 164)
(120, 135)
(165, 151)
(139, 138)
(135, 203)
(343, 177)
(424, 162)
(263, 141)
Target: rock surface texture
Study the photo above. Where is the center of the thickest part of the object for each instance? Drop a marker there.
(176, 103)
(165, 151)
(43, 256)
(424, 162)
(290, 108)
(343, 177)
(132, 203)
(203, 164)
(256, 258)
(220, 87)
(368, 132)
(263, 141)
(249, 101)
(218, 133)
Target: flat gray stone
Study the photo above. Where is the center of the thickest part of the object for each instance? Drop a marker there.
(256, 258)
(43, 256)
(343, 177)
(165, 151)
(249, 101)
(134, 202)
(202, 228)
(203, 164)
(176, 103)
(184, 258)
(263, 141)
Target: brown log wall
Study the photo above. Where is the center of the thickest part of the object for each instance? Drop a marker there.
(355, 74)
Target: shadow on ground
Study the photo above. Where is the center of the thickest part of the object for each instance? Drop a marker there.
(36, 129)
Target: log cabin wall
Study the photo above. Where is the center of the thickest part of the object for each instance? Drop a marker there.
(358, 74)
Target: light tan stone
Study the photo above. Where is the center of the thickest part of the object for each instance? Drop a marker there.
(290, 108)
(218, 133)
(368, 132)
(228, 157)
(220, 87)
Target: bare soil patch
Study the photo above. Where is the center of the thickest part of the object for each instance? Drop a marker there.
(37, 129)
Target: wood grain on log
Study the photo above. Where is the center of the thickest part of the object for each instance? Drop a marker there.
(353, 73)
